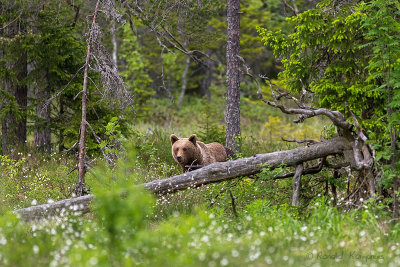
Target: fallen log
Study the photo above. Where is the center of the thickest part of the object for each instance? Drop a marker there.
(214, 173)
(76, 206)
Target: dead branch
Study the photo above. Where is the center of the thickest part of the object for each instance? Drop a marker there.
(162, 74)
(233, 198)
(296, 185)
(82, 139)
(162, 33)
(48, 101)
(362, 154)
(311, 170)
(308, 141)
(72, 147)
(223, 190)
(12, 21)
(77, 10)
(293, 8)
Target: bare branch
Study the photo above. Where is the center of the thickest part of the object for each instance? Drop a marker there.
(308, 141)
(12, 21)
(293, 9)
(296, 185)
(75, 97)
(233, 203)
(72, 147)
(362, 155)
(96, 137)
(311, 170)
(62, 90)
(162, 77)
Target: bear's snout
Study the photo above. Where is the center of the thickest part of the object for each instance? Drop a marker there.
(179, 158)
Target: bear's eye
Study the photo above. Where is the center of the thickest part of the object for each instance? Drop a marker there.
(177, 149)
(184, 149)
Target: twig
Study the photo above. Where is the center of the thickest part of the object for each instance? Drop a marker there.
(294, 9)
(76, 167)
(308, 141)
(233, 203)
(75, 97)
(11, 22)
(191, 165)
(223, 190)
(96, 137)
(59, 92)
(162, 76)
(311, 170)
(66, 151)
(361, 151)
(97, 88)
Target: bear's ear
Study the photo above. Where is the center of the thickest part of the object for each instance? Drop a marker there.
(193, 139)
(173, 138)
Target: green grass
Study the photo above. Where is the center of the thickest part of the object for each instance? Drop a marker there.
(126, 232)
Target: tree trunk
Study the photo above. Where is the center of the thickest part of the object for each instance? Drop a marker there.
(13, 127)
(232, 112)
(61, 118)
(7, 133)
(42, 132)
(114, 42)
(184, 81)
(21, 96)
(206, 83)
(214, 173)
(82, 140)
(396, 182)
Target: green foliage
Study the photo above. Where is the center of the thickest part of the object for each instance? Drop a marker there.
(118, 221)
(383, 30)
(324, 53)
(134, 71)
(111, 146)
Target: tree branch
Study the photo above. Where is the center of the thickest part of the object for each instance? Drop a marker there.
(292, 8)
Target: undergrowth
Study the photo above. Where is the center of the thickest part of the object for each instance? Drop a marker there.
(247, 221)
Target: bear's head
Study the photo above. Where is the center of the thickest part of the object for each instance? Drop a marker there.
(185, 150)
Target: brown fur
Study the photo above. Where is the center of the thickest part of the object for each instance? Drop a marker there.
(193, 152)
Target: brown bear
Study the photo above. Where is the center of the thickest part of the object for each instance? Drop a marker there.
(189, 152)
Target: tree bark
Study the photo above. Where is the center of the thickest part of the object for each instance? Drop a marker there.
(13, 127)
(184, 81)
(232, 112)
(61, 117)
(206, 83)
(42, 132)
(114, 42)
(214, 173)
(82, 140)
(21, 96)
